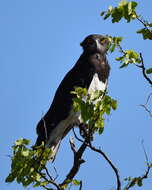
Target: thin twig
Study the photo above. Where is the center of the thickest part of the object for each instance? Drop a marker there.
(49, 181)
(47, 172)
(145, 105)
(110, 163)
(80, 185)
(46, 187)
(57, 175)
(144, 70)
(76, 163)
(145, 153)
(147, 110)
(88, 143)
(75, 135)
(145, 175)
(121, 49)
(144, 23)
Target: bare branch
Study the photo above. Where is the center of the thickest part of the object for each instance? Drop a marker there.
(145, 105)
(147, 110)
(77, 161)
(56, 173)
(146, 156)
(46, 187)
(49, 181)
(75, 135)
(88, 137)
(144, 176)
(80, 185)
(144, 70)
(109, 162)
(47, 172)
(143, 22)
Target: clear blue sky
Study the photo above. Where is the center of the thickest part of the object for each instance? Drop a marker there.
(39, 43)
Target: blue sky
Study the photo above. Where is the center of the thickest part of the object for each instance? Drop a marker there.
(39, 43)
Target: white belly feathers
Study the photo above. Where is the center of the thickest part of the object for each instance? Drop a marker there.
(96, 84)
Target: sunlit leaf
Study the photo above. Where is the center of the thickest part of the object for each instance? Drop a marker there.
(149, 71)
(76, 182)
(123, 65)
(147, 34)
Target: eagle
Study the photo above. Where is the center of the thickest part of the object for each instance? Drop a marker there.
(91, 71)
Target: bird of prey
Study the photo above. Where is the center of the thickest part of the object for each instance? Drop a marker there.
(91, 71)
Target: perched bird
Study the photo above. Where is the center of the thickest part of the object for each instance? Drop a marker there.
(91, 72)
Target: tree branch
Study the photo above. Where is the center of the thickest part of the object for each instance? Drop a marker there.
(80, 185)
(141, 66)
(109, 162)
(88, 137)
(144, 176)
(143, 22)
(144, 70)
(77, 161)
(145, 105)
(49, 181)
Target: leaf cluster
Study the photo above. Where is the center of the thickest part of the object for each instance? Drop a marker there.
(114, 43)
(69, 183)
(129, 56)
(27, 164)
(127, 10)
(93, 106)
(133, 181)
(146, 33)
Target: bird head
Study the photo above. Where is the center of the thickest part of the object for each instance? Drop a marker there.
(95, 43)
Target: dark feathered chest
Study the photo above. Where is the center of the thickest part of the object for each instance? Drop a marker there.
(89, 65)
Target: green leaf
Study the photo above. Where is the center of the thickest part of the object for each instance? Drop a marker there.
(10, 178)
(22, 142)
(25, 153)
(147, 34)
(129, 8)
(139, 182)
(44, 183)
(132, 54)
(107, 15)
(122, 3)
(126, 10)
(112, 48)
(114, 104)
(149, 24)
(134, 4)
(76, 182)
(149, 71)
(110, 8)
(117, 14)
(119, 58)
(123, 65)
(38, 177)
(102, 13)
(108, 110)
